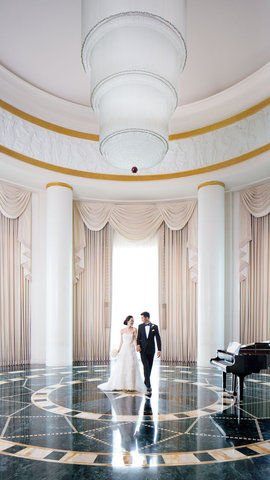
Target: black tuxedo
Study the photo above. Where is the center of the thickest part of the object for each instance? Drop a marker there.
(148, 348)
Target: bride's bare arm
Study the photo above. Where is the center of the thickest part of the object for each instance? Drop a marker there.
(135, 337)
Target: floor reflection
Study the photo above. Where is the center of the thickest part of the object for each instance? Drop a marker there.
(140, 429)
(59, 418)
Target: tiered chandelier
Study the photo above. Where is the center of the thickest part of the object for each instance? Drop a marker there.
(134, 52)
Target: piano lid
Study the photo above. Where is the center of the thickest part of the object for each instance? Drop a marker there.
(233, 347)
(265, 345)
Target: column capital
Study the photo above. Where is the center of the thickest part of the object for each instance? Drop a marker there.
(213, 182)
(59, 184)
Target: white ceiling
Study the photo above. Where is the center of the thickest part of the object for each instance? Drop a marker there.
(227, 40)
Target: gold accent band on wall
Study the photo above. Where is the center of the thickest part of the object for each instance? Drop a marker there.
(222, 123)
(137, 178)
(47, 125)
(59, 184)
(205, 184)
(176, 136)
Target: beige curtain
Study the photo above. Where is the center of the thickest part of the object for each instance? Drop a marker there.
(133, 221)
(178, 293)
(93, 226)
(15, 298)
(255, 264)
(15, 274)
(255, 288)
(92, 298)
(257, 199)
(16, 203)
(13, 201)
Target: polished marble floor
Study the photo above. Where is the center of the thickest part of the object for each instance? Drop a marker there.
(55, 423)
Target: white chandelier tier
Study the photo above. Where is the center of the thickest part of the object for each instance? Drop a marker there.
(134, 52)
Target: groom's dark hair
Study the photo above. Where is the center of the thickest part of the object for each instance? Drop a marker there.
(146, 314)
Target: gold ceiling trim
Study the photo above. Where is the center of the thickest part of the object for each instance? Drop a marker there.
(214, 182)
(59, 184)
(135, 178)
(175, 136)
(222, 123)
(49, 126)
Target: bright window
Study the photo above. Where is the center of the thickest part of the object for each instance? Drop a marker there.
(134, 282)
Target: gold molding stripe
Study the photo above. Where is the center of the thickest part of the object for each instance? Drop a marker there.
(222, 123)
(205, 184)
(49, 126)
(176, 136)
(137, 178)
(59, 184)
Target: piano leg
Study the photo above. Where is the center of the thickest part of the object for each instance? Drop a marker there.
(234, 384)
(224, 380)
(240, 387)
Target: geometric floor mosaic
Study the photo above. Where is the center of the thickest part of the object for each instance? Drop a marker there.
(56, 422)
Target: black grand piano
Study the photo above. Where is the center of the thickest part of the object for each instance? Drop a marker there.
(242, 360)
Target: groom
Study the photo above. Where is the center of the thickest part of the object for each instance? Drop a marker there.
(147, 332)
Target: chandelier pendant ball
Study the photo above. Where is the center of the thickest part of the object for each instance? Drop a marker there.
(133, 52)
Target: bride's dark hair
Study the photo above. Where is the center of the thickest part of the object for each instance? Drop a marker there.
(127, 319)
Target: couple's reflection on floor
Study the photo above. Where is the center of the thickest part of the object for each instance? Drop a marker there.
(130, 411)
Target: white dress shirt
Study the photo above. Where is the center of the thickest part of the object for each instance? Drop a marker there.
(147, 330)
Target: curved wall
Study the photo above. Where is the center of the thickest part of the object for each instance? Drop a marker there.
(51, 134)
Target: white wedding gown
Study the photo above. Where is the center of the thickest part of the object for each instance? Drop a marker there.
(126, 373)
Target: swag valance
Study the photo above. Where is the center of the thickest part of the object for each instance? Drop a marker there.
(133, 221)
(254, 201)
(16, 203)
(257, 200)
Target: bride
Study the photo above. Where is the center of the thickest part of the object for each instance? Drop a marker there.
(126, 373)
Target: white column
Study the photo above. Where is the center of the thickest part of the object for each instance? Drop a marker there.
(211, 247)
(59, 275)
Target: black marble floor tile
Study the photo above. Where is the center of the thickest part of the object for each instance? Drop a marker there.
(247, 451)
(249, 471)
(14, 449)
(8, 407)
(104, 459)
(265, 428)
(239, 431)
(30, 427)
(257, 407)
(204, 457)
(55, 455)
(130, 432)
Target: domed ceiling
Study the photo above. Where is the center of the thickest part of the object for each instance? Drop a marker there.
(228, 43)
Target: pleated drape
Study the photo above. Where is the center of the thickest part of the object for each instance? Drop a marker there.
(93, 227)
(255, 288)
(255, 264)
(178, 297)
(92, 299)
(15, 297)
(15, 275)
(133, 221)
